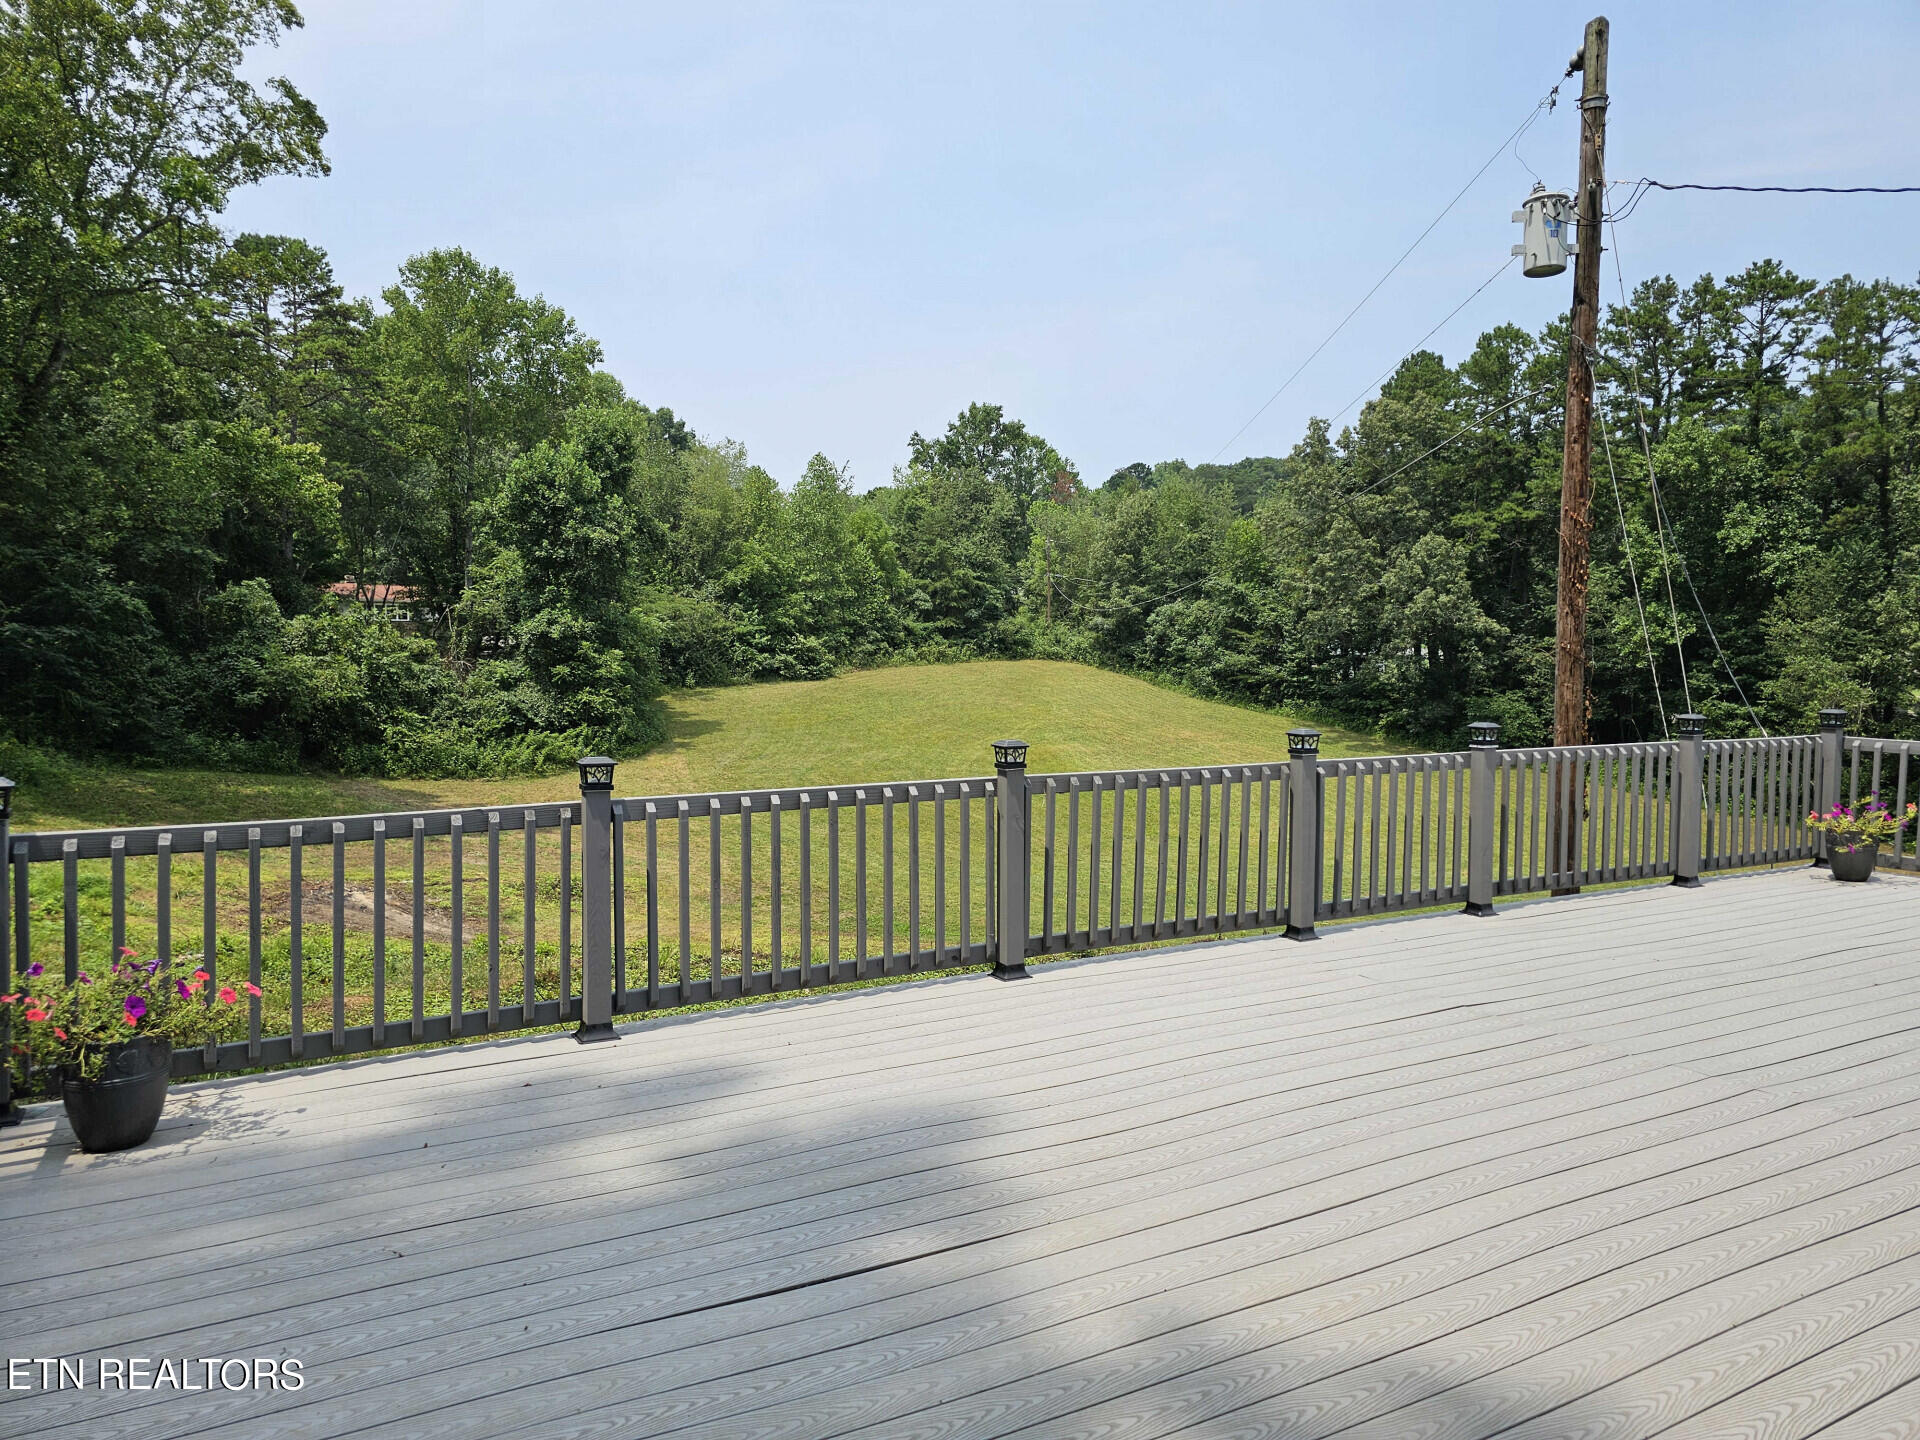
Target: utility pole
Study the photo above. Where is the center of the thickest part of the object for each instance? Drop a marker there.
(1576, 482)
(1576, 479)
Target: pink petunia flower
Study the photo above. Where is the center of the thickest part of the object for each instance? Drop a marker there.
(201, 975)
(128, 952)
(36, 1014)
(253, 989)
(228, 995)
(59, 1033)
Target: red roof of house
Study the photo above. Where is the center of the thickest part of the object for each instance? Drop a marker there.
(373, 592)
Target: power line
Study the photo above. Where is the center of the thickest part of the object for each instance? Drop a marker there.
(1472, 424)
(1638, 189)
(1504, 266)
(1791, 189)
(1545, 104)
(1659, 507)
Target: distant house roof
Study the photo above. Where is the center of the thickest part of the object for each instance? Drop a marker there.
(373, 592)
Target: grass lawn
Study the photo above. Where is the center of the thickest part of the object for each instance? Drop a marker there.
(906, 724)
(918, 722)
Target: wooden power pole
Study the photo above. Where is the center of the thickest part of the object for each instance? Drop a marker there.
(1576, 483)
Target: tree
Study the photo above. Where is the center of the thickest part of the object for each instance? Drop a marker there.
(1001, 451)
(473, 374)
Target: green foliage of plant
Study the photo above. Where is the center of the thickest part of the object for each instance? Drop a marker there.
(72, 1026)
(1868, 825)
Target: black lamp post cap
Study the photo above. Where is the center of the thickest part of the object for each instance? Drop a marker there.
(1833, 719)
(1303, 742)
(1483, 735)
(1690, 724)
(1009, 754)
(596, 773)
(7, 787)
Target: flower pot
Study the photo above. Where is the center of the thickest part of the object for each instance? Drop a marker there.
(120, 1109)
(1851, 865)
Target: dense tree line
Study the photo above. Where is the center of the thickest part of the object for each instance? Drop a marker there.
(199, 433)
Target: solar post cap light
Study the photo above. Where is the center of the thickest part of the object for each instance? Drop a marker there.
(1547, 236)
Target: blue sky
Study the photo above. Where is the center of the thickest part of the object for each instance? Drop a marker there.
(821, 227)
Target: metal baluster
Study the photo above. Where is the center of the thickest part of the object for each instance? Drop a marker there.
(619, 905)
(716, 963)
(775, 898)
(70, 907)
(493, 920)
(420, 926)
(117, 848)
(528, 912)
(860, 883)
(686, 903)
(746, 893)
(456, 973)
(1160, 885)
(653, 906)
(806, 888)
(1073, 854)
(966, 875)
(913, 877)
(940, 874)
(339, 938)
(253, 942)
(296, 953)
(833, 884)
(209, 941)
(888, 933)
(566, 913)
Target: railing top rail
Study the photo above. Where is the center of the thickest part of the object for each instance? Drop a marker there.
(43, 845)
(1517, 754)
(1877, 742)
(1416, 760)
(1171, 773)
(1759, 741)
(730, 802)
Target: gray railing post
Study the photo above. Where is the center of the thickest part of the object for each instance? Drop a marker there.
(1483, 743)
(1833, 751)
(1010, 811)
(1303, 833)
(9, 1110)
(1688, 797)
(596, 901)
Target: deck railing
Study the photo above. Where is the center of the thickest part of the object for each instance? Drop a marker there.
(365, 932)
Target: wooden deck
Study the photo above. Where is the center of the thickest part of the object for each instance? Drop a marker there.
(1636, 1163)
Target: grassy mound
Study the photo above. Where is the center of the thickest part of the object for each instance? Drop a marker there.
(918, 722)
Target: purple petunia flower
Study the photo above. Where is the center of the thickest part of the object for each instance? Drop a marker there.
(85, 979)
(35, 970)
(152, 965)
(180, 988)
(135, 1008)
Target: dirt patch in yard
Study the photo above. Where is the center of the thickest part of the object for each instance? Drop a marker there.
(316, 912)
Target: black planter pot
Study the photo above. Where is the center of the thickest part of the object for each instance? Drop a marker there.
(1852, 865)
(120, 1109)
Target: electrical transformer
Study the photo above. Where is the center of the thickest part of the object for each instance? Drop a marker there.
(1547, 236)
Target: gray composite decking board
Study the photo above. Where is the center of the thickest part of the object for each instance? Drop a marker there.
(530, 1116)
(312, 1106)
(1274, 1380)
(1626, 986)
(371, 1066)
(1034, 1119)
(441, 1145)
(1625, 1148)
(779, 1370)
(1894, 1415)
